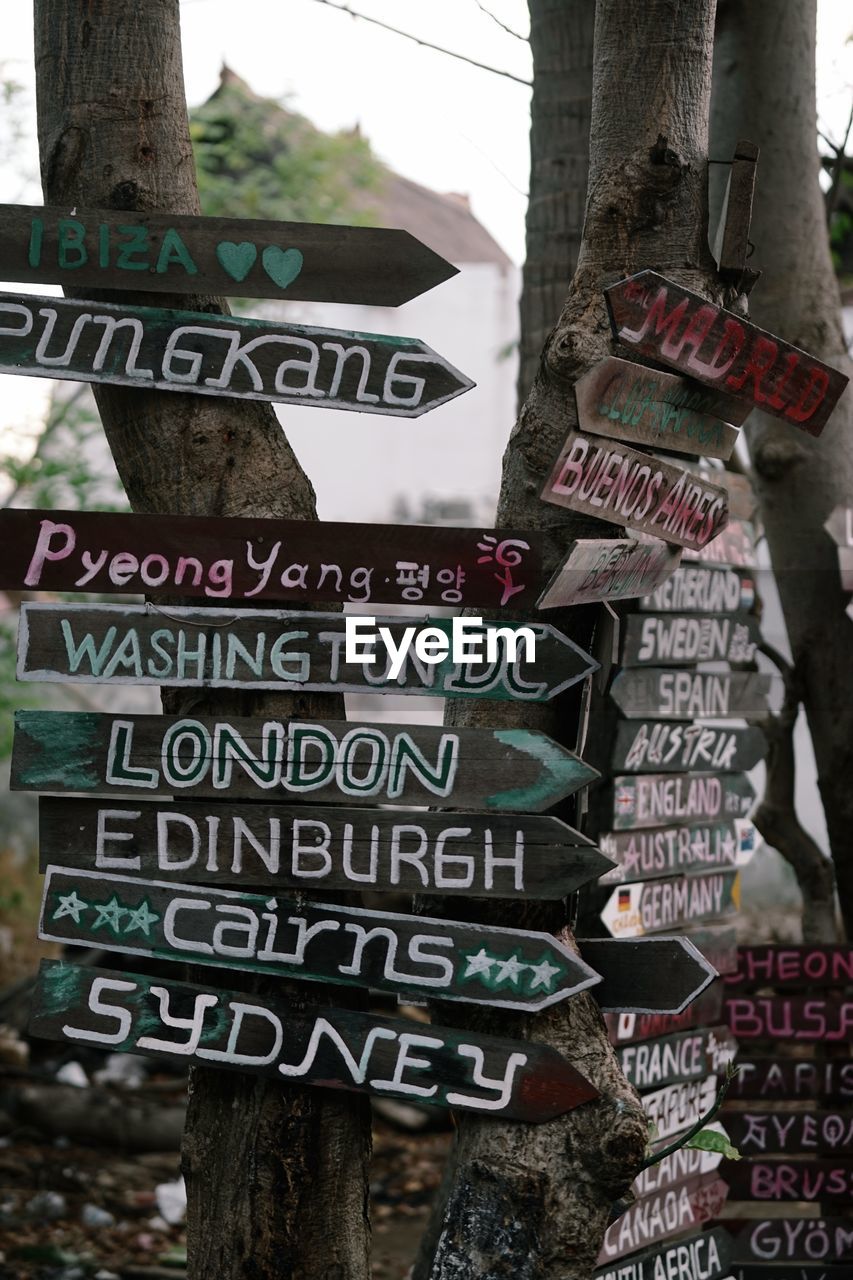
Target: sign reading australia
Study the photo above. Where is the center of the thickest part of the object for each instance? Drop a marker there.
(218, 355)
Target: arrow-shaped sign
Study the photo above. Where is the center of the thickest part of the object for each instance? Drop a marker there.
(685, 331)
(242, 257)
(665, 1214)
(277, 649)
(318, 942)
(628, 1028)
(300, 847)
(214, 355)
(652, 906)
(654, 799)
(326, 761)
(647, 975)
(319, 1045)
(687, 1055)
(734, 546)
(707, 1255)
(650, 746)
(609, 569)
(665, 694)
(701, 589)
(673, 639)
(646, 855)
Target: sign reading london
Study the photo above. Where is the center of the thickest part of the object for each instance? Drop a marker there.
(246, 257)
(216, 355)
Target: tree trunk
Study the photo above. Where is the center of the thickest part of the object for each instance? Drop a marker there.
(534, 1201)
(765, 89)
(276, 1175)
(561, 42)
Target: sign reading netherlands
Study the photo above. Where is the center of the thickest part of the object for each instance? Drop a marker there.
(702, 589)
(289, 937)
(277, 649)
(214, 355)
(326, 762)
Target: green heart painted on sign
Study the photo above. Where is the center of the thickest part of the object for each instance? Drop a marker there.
(282, 265)
(236, 259)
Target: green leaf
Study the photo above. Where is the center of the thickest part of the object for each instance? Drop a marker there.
(711, 1140)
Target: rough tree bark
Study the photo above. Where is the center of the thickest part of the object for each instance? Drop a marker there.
(276, 1176)
(533, 1202)
(561, 43)
(764, 89)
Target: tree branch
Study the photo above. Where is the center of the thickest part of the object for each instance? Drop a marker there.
(494, 17)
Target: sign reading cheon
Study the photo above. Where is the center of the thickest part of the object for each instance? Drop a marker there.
(667, 639)
(679, 328)
(809, 965)
(319, 942)
(654, 799)
(248, 559)
(291, 846)
(680, 695)
(262, 1035)
(245, 257)
(633, 910)
(700, 589)
(326, 761)
(626, 401)
(602, 569)
(214, 355)
(654, 745)
(277, 649)
(615, 483)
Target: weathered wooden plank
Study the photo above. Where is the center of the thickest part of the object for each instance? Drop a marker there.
(650, 746)
(806, 1019)
(647, 975)
(629, 1028)
(280, 846)
(672, 639)
(837, 1270)
(216, 355)
(633, 910)
(685, 331)
(718, 944)
(225, 257)
(313, 941)
(702, 589)
(775, 1079)
(664, 694)
(677, 1107)
(845, 569)
(325, 761)
(660, 1216)
(627, 401)
(242, 558)
(687, 1055)
(648, 855)
(650, 800)
(607, 569)
(775, 1132)
(731, 243)
(780, 965)
(839, 525)
(735, 546)
(706, 1256)
(781, 1179)
(278, 649)
(684, 1165)
(781, 1240)
(613, 482)
(332, 1048)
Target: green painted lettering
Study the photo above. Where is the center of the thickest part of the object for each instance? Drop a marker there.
(301, 774)
(72, 248)
(437, 778)
(179, 771)
(172, 250)
(136, 243)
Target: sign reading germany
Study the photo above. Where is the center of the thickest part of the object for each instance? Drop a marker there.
(633, 910)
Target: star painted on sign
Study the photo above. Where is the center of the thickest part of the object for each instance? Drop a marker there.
(70, 905)
(108, 913)
(509, 970)
(728, 847)
(141, 917)
(542, 974)
(697, 847)
(479, 963)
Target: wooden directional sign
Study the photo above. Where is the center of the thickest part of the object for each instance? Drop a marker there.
(613, 482)
(665, 1214)
(701, 589)
(629, 1028)
(827, 1080)
(663, 694)
(86, 249)
(779, 965)
(781, 1179)
(660, 746)
(277, 649)
(776, 1132)
(248, 559)
(688, 1055)
(672, 639)
(647, 975)
(653, 799)
(626, 401)
(838, 1270)
(318, 942)
(839, 526)
(215, 355)
(633, 910)
(646, 855)
(685, 331)
(706, 1256)
(734, 546)
(602, 569)
(845, 569)
(782, 1240)
(806, 1019)
(325, 761)
(718, 944)
(333, 1048)
(280, 846)
(682, 1165)
(731, 243)
(679, 1106)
